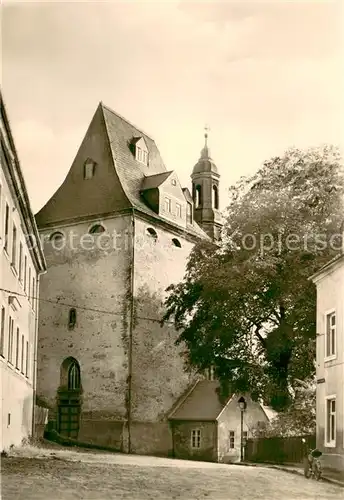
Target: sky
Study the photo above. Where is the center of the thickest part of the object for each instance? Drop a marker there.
(265, 76)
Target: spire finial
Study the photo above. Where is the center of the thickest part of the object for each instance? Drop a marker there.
(205, 150)
(206, 130)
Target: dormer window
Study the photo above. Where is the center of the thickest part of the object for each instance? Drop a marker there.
(89, 169)
(140, 150)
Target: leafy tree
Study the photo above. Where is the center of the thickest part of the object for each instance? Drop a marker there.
(247, 307)
(298, 420)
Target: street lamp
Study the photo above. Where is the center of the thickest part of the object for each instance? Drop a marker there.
(242, 406)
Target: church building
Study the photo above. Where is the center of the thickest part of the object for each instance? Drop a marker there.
(116, 234)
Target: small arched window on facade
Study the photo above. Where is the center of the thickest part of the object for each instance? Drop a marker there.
(176, 243)
(152, 233)
(72, 318)
(97, 229)
(74, 382)
(215, 197)
(198, 196)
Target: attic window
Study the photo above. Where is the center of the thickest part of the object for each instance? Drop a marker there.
(173, 182)
(176, 243)
(96, 229)
(89, 169)
(152, 233)
(141, 155)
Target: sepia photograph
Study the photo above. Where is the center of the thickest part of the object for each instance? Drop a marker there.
(172, 250)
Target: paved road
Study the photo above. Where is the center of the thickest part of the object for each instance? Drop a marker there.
(65, 475)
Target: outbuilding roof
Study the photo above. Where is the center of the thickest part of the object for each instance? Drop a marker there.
(201, 403)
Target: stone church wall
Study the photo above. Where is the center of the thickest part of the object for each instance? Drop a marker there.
(93, 280)
(159, 378)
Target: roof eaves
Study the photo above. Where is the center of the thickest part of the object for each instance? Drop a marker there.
(24, 200)
(183, 399)
(225, 406)
(273, 413)
(327, 267)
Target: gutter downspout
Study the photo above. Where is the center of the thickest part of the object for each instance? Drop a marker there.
(131, 328)
(35, 345)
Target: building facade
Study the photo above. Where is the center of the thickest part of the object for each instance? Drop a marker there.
(330, 363)
(21, 264)
(116, 234)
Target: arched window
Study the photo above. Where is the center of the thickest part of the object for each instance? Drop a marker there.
(72, 318)
(74, 376)
(215, 197)
(56, 237)
(97, 229)
(70, 378)
(198, 196)
(176, 243)
(152, 233)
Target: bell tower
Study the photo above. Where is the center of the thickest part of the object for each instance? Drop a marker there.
(205, 193)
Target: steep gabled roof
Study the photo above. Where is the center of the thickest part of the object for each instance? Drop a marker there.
(132, 173)
(202, 403)
(121, 178)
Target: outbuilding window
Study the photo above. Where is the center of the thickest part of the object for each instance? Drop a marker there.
(196, 438)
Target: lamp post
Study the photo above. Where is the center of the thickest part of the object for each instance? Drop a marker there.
(242, 406)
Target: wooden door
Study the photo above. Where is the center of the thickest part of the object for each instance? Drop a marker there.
(69, 417)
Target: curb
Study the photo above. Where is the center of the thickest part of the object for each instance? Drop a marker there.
(298, 472)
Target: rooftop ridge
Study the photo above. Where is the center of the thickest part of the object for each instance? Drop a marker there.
(139, 129)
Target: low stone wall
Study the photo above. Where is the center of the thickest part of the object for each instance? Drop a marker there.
(147, 438)
(102, 432)
(151, 438)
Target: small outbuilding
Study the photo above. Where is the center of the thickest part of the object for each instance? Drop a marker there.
(205, 429)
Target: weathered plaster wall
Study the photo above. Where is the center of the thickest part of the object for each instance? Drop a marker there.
(182, 440)
(330, 374)
(92, 280)
(158, 375)
(230, 420)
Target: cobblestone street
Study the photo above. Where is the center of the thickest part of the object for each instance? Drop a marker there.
(64, 475)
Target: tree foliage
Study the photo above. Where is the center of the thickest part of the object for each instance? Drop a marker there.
(299, 419)
(247, 307)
